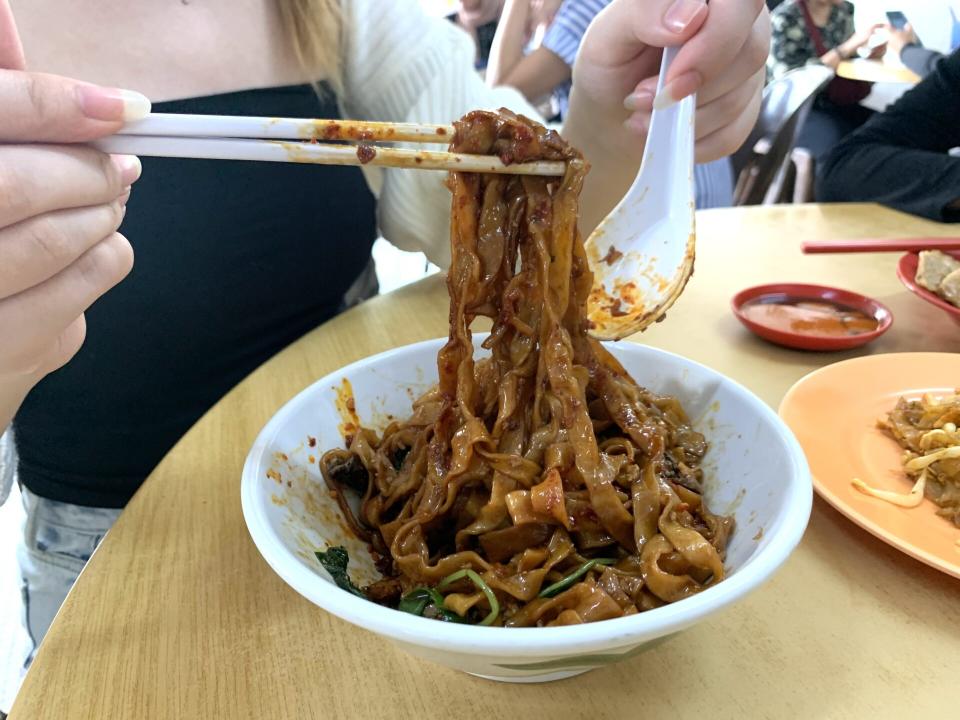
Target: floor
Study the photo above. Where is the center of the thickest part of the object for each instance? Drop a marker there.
(394, 269)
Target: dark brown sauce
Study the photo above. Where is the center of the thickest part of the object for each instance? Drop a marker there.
(809, 317)
(365, 153)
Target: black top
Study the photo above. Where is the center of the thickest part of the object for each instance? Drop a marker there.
(900, 157)
(234, 261)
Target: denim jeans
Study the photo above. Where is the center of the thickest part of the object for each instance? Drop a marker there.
(58, 539)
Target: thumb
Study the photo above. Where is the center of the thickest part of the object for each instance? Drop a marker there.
(49, 108)
(11, 52)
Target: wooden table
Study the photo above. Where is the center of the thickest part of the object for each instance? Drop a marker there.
(876, 71)
(177, 616)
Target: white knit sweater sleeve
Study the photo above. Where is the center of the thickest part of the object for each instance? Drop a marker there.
(403, 65)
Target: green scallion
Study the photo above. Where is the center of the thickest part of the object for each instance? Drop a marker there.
(481, 585)
(561, 585)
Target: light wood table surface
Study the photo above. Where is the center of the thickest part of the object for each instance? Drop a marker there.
(177, 616)
(876, 71)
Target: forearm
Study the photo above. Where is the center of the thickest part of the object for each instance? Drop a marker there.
(507, 48)
(915, 181)
(921, 60)
(833, 58)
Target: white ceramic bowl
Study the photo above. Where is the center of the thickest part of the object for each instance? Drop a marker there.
(754, 469)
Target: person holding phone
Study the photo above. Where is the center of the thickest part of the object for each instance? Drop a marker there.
(905, 45)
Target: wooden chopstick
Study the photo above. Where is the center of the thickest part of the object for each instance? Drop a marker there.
(318, 153)
(264, 139)
(267, 128)
(863, 245)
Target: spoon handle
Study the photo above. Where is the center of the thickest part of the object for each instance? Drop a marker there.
(668, 154)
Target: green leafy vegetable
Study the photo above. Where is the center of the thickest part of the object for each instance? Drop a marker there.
(481, 585)
(419, 600)
(561, 585)
(335, 561)
(416, 601)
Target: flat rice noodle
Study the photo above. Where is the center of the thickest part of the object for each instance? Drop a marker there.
(501, 545)
(695, 548)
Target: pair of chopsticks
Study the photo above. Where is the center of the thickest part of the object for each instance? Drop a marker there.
(864, 245)
(216, 137)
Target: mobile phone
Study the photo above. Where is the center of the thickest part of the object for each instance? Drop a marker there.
(897, 19)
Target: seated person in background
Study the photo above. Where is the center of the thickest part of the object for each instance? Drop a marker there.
(479, 19)
(548, 69)
(820, 31)
(791, 44)
(901, 156)
(905, 45)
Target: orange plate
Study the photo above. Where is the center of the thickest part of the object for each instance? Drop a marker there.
(833, 412)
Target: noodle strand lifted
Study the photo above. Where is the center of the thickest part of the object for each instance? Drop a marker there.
(568, 492)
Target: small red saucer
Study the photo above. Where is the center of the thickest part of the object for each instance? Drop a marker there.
(798, 291)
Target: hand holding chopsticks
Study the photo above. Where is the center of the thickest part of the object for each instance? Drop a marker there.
(265, 139)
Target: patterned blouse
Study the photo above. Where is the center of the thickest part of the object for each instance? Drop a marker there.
(791, 46)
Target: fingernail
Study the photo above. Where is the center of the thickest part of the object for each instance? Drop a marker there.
(124, 196)
(111, 104)
(640, 100)
(129, 167)
(677, 89)
(681, 14)
(664, 99)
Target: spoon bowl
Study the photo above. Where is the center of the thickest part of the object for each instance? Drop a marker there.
(642, 253)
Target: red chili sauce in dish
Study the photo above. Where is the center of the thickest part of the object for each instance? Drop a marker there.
(809, 317)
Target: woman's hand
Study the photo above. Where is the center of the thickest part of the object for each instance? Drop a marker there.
(60, 207)
(858, 40)
(725, 47)
(724, 50)
(899, 39)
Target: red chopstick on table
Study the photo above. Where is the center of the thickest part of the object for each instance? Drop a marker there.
(855, 245)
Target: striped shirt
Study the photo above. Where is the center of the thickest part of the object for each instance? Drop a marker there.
(565, 34)
(714, 180)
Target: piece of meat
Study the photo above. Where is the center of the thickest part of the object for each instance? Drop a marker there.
(386, 591)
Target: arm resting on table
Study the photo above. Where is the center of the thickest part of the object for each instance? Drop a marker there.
(899, 158)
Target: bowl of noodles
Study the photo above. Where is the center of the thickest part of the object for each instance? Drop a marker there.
(527, 504)
(752, 471)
